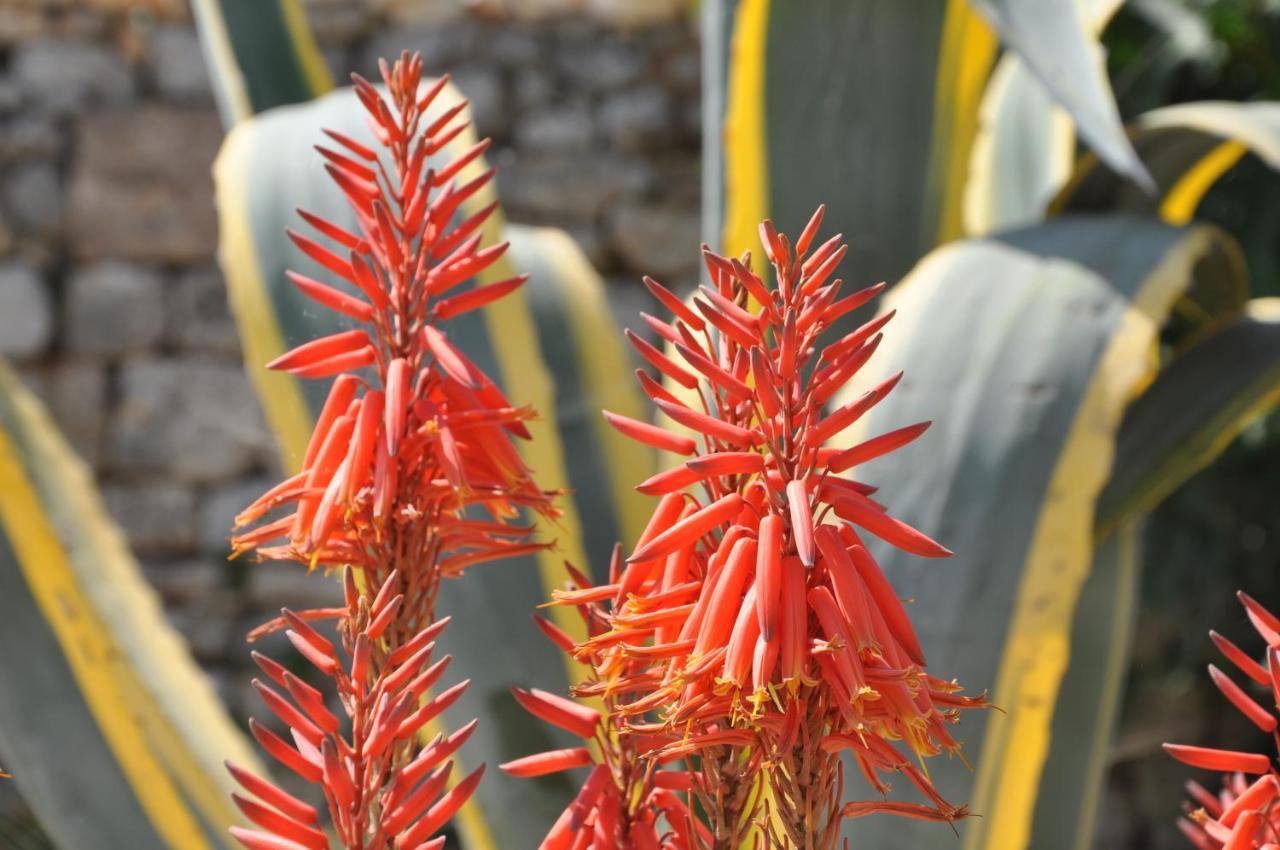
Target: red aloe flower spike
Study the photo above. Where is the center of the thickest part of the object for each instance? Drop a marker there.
(404, 464)
(760, 522)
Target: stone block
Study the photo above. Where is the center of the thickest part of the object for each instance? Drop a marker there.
(29, 137)
(199, 316)
(157, 518)
(682, 70)
(141, 187)
(210, 626)
(114, 307)
(10, 95)
(515, 46)
(33, 200)
(193, 419)
(661, 241)
(482, 85)
(176, 63)
(628, 14)
(637, 119)
(26, 311)
(561, 189)
(273, 586)
(19, 24)
(186, 579)
(339, 22)
(164, 9)
(63, 75)
(532, 89)
(7, 238)
(564, 128)
(76, 393)
(444, 44)
(601, 64)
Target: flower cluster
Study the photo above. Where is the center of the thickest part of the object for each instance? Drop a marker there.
(382, 788)
(626, 799)
(411, 476)
(1244, 815)
(751, 626)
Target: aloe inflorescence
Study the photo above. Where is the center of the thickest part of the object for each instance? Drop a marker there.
(751, 634)
(411, 476)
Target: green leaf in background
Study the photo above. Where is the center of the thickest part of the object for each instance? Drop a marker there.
(551, 344)
(1025, 349)
(1186, 148)
(113, 734)
(260, 54)
(1199, 403)
(1056, 41)
(1025, 144)
(1022, 154)
(883, 133)
(868, 106)
(1089, 699)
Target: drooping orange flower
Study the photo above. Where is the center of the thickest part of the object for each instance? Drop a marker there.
(751, 621)
(411, 476)
(627, 802)
(1245, 814)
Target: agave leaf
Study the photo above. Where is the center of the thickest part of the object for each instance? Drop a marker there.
(889, 122)
(1055, 41)
(1026, 350)
(1025, 146)
(113, 734)
(550, 344)
(1022, 155)
(1187, 148)
(260, 54)
(1198, 405)
(1085, 717)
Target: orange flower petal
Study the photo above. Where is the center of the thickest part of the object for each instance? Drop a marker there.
(1219, 760)
(554, 761)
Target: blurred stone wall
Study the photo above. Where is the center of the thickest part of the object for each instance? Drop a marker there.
(112, 306)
